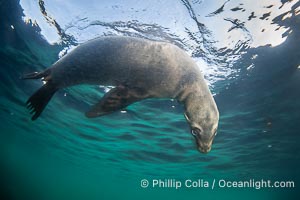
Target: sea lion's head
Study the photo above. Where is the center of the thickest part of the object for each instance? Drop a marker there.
(203, 117)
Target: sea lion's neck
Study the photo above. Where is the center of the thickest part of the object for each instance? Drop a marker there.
(192, 101)
(191, 92)
(197, 99)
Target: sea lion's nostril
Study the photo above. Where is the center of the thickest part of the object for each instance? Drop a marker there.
(204, 149)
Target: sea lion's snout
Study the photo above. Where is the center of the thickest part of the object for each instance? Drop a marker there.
(204, 149)
(203, 142)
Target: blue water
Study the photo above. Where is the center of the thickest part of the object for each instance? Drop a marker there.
(249, 54)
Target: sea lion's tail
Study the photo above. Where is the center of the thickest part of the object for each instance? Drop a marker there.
(38, 101)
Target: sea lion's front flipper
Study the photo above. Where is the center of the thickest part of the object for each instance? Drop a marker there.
(116, 99)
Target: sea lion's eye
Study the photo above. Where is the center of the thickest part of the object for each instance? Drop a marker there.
(196, 132)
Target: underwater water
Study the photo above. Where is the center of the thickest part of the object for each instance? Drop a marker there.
(249, 54)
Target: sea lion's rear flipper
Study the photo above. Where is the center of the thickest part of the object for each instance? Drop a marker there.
(45, 75)
(116, 99)
(38, 101)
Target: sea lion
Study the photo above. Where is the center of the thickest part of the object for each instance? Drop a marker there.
(139, 69)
